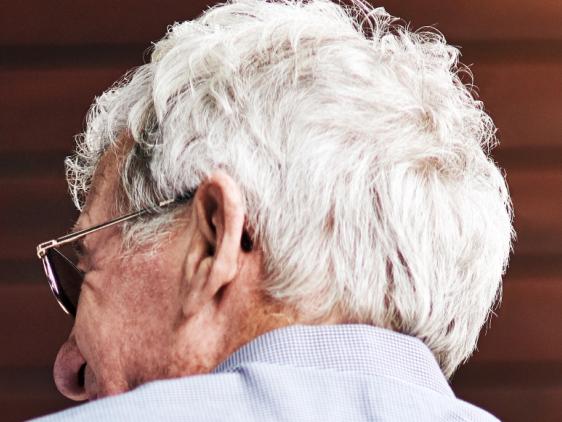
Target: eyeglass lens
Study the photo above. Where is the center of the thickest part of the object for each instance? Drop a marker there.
(65, 279)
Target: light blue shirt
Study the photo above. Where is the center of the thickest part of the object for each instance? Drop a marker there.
(300, 373)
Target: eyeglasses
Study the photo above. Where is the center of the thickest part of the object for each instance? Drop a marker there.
(65, 279)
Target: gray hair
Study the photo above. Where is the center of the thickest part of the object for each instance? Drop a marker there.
(362, 157)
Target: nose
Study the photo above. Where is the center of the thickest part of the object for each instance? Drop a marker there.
(68, 371)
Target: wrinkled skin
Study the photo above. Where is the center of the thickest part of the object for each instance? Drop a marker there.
(175, 310)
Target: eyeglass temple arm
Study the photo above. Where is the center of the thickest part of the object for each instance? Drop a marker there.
(71, 237)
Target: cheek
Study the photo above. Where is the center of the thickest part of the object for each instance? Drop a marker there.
(132, 289)
(126, 316)
(127, 311)
(151, 291)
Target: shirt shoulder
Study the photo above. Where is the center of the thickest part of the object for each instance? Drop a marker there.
(260, 391)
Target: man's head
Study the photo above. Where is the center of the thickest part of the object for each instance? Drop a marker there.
(355, 163)
(168, 308)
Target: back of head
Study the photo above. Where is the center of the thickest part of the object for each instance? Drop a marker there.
(361, 155)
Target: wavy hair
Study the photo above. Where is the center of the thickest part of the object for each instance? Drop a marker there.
(362, 157)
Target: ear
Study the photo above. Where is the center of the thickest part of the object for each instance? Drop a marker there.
(213, 260)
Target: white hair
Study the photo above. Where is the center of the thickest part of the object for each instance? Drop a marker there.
(362, 157)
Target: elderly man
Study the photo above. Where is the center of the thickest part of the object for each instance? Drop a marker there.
(287, 214)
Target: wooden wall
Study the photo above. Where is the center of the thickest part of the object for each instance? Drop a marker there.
(56, 56)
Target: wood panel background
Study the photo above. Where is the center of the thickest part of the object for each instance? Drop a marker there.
(56, 56)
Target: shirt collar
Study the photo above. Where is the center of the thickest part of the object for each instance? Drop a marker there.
(345, 347)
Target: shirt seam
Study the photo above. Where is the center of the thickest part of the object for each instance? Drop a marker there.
(238, 367)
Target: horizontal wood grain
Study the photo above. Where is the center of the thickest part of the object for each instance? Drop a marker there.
(103, 21)
(480, 19)
(522, 269)
(93, 21)
(512, 391)
(523, 98)
(25, 407)
(545, 268)
(40, 209)
(537, 204)
(518, 374)
(44, 108)
(526, 329)
(30, 392)
(37, 326)
(26, 165)
(75, 56)
(50, 163)
(514, 158)
(527, 325)
(55, 57)
(517, 404)
(45, 56)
